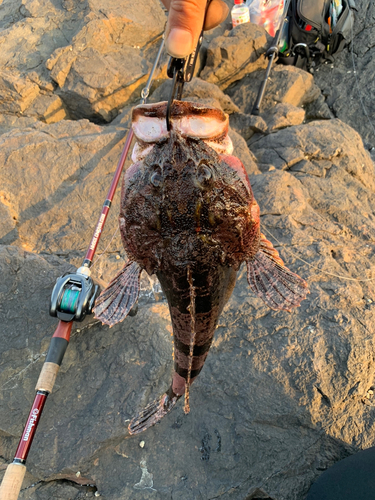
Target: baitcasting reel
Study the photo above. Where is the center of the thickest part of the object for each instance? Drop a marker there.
(73, 296)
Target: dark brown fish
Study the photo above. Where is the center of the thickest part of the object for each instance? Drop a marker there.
(188, 215)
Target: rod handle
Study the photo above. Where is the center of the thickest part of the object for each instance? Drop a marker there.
(47, 377)
(12, 481)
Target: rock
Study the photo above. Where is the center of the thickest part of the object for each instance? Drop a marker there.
(58, 489)
(231, 56)
(243, 153)
(257, 494)
(247, 125)
(198, 90)
(74, 163)
(97, 56)
(48, 108)
(283, 115)
(309, 148)
(108, 61)
(7, 218)
(10, 122)
(318, 110)
(99, 94)
(124, 118)
(287, 84)
(17, 93)
(347, 84)
(277, 389)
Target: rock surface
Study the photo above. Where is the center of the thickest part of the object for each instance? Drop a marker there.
(234, 54)
(287, 85)
(282, 396)
(92, 56)
(348, 85)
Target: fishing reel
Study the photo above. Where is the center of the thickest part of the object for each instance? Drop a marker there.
(73, 296)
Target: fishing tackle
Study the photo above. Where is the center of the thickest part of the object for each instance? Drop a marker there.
(73, 296)
(72, 299)
(271, 54)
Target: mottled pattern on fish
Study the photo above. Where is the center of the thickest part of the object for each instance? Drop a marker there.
(187, 209)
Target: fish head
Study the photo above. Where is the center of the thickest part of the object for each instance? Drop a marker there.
(185, 192)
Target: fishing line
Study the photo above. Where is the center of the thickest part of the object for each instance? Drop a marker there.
(357, 83)
(106, 248)
(311, 265)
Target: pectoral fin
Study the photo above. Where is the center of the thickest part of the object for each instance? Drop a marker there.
(117, 300)
(274, 283)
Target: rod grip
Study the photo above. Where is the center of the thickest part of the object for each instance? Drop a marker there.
(47, 377)
(12, 481)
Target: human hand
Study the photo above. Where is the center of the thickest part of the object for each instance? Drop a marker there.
(185, 23)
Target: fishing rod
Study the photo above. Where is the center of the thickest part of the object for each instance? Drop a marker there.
(73, 297)
(271, 54)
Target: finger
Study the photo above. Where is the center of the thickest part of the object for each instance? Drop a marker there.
(217, 12)
(185, 23)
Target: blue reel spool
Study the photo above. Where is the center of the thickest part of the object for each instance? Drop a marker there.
(73, 296)
(69, 300)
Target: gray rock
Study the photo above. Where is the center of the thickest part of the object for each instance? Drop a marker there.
(282, 396)
(48, 108)
(348, 84)
(247, 125)
(51, 173)
(287, 84)
(243, 153)
(17, 93)
(96, 55)
(318, 110)
(277, 389)
(231, 56)
(198, 90)
(283, 115)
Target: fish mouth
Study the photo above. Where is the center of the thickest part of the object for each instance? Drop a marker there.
(189, 119)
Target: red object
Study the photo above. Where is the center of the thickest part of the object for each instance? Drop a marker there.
(103, 216)
(30, 427)
(308, 27)
(238, 2)
(63, 330)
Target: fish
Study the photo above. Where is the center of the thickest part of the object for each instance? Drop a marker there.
(189, 216)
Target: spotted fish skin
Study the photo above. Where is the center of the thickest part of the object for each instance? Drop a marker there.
(187, 207)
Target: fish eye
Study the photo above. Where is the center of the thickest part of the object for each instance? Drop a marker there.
(156, 179)
(204, 174)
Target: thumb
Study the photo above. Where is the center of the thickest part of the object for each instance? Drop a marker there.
(185, 22)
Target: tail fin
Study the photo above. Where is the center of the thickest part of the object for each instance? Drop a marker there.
(153, 412)
(117, 300)
(274, 283)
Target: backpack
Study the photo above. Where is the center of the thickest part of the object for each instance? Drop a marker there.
(309, 35)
